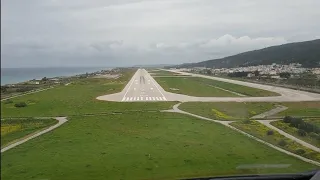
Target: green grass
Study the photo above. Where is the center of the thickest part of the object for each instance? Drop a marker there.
(314, 121)
(77, 98)
(260, 131)
(293, 131)
(196, 86)
(245, 90)
(301, 109)
(190, 86)
(14, 129)
(226, 110)
(140, 146)
(165, 73)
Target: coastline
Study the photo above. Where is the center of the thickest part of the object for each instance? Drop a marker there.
(12, 90)
(21, 75)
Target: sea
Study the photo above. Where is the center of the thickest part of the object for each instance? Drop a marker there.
(16, 75)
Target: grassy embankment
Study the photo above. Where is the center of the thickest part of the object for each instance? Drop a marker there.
(245, 110)
(78, 98)
(141, 146)
(301, 109)
(202, 87)
(311, 138)
(260, 131)
(14, 129)
(226, 110)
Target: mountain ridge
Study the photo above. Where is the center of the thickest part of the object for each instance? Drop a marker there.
(306, 53)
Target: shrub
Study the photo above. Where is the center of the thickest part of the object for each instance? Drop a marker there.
(282, 142)
(301, 132)
(247, 121)
(20, 104)
(287, 119)
(270, 132)
(300, 151)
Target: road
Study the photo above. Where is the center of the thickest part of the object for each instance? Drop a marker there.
(61, 120)
(303, 143)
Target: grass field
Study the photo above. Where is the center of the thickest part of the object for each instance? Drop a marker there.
(77, 98)
(293, 131)
(226, 110)
(14, 129)
(165, 73)
(301, 109)
(190, 86)
(202, 87)
(140, 146)
(260, 131)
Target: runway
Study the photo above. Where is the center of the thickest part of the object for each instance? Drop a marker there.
(142, 87)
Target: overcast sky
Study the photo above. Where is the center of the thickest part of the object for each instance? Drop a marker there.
(106, 33)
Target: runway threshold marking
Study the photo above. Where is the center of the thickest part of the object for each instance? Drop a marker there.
(157, 88)
(133, 79)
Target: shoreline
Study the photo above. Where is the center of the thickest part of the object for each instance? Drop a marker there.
(9, 91)
(10, 78)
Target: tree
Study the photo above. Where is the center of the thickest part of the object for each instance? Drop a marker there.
(256, 73)
(4, 89)
(44, 79)
(285, 75)
(209, 72)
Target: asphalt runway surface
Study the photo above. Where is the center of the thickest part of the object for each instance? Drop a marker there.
(143, 87)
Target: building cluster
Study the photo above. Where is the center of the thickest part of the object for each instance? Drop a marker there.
(272, 70)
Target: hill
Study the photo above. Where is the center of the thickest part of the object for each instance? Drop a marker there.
(306, 53)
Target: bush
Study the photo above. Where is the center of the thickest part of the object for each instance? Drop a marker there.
(20, 104)
(301, 133)
(270, 132)
(287, 119)
(282, 142)
(300, 151)
(247, 121)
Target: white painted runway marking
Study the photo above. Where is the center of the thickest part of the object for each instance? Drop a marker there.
(147, 98)
(151, 88)
(160, 98)
(129, 87)
(137, 98)
(134, 98)
(164, 98)
(124, 98)
(153, 98)
(141, 98)
(127, 99)
(131, 99)
(157, 98)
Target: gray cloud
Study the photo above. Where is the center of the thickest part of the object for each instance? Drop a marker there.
(128, 32)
